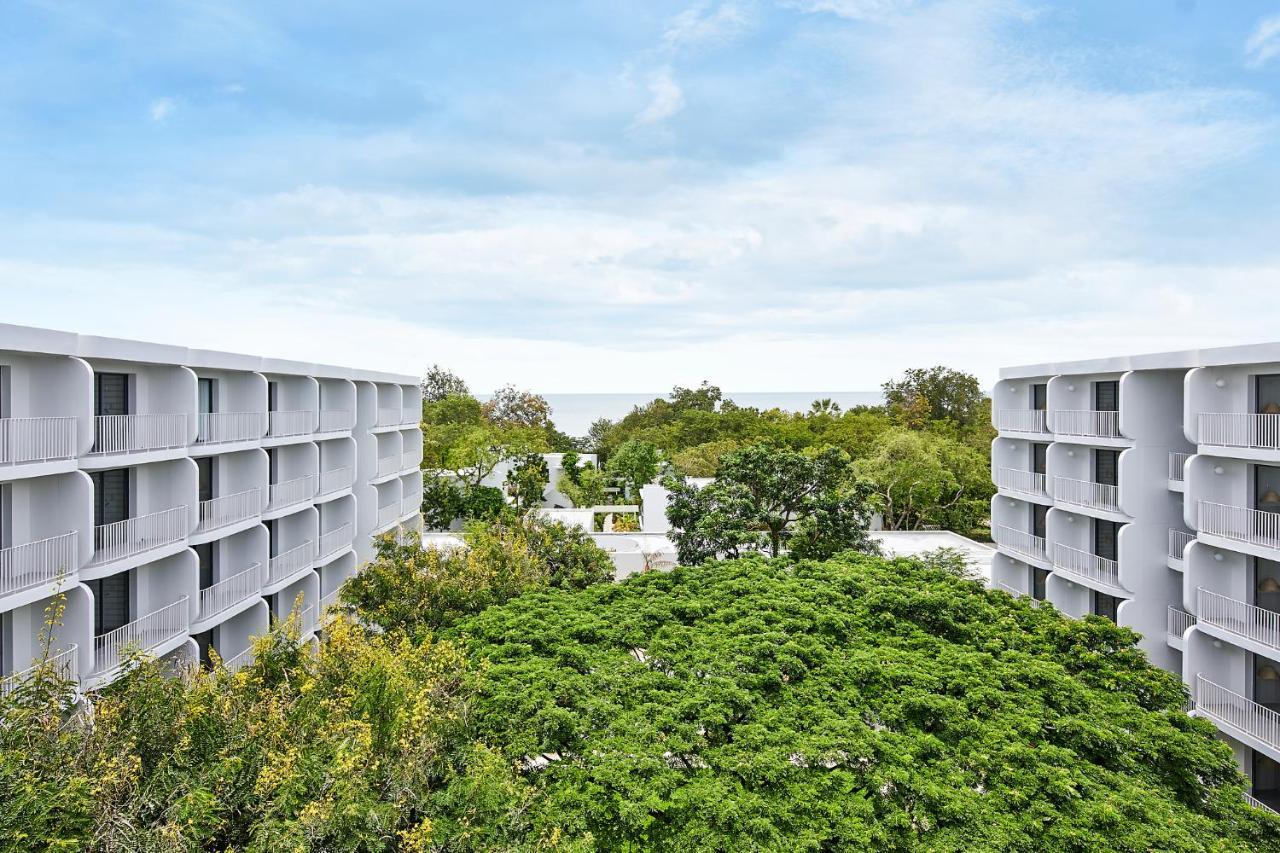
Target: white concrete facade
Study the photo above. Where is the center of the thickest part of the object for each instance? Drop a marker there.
(1147, 489)
(181, 500)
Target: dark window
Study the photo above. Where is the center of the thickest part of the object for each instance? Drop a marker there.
(111, 393)
(1105, 535)
(5, 666)
(1267, 394)
(110, 495)
(206, 467)
(272, 537)
(110, 602)
(1106, 396)
(1106, 466)
(1039, 455)
(273, 394)
(1266, 779)
(1039, 514)
(1040, 396)
(204, 641)
(273, 466)
(1105, 605)
(1039, 579)
(1266, 686)
(204, 394)
(204, 554)
(1266, 584)
(1267, 487)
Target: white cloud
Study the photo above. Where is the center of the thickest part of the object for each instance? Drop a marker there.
(1263, 44)
(856, 10)
(666, 98)
(162, 108)
(705, 22)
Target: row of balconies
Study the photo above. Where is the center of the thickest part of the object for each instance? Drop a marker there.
(1216, 429)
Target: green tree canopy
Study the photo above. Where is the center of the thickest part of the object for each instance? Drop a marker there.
(936, 393)
(440, 383)
(635, 464)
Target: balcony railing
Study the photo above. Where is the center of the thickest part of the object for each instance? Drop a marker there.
(1087, 494)
(1177, 464)
(388, 417)
(240, 660)
(1178, 541)
(64, 664)
(37, 563)
(388, 465)
(1021, 420)
(291, 423)
(36, 440)
(1244, 620)
(138, 433)
(388, 514)
(1178, 622)
(329, 600)
(334, 421)
(308, 620)
(1086, 422)
(231, 591)
(1258, 804)
(1014, 591)
(145, 634)
(292, 562)
(335, 480)
(335, 540)
(410, 417)
(291, 492)
(1019, 541)
(1082, 564)
(1259, 432)
(1017, 480)
(132, 536)
(229, 509)
(225, 427)
(1242, 524)
(1226, 706)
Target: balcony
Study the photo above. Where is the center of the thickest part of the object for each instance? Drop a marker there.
(65, 666)
(1019, 542)
(1086, 494)
(229, 592)
(1247, 431)
(388, 465)
(388, 418)
(388, 515)
(338, 539)
(410, 417)
(334, 421)
(38, 564)
(26, 440)
(133, 536)
(283, 424)
(1246, 621)
(292, 562)
(1258, 804)
(1240, 524)
(409, 506)
(1087, 423)
(329, 601)
(1082, 564)
(239, 661)
(227, 510)
(147, 634)
(1021, 482)
(291, 492)
(1237, 713)
(116, 434)
(1177, 466)
(1177, 623)
(229, 427)
(1021, 420)
(1178, 542)
(335, 480)
(409, 460)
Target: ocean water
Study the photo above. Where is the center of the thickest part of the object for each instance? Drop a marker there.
(574, 413)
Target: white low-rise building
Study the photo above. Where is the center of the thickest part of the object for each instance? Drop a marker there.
(1147, 489)
(178, 500)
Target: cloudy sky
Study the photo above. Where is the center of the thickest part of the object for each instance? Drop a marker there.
(595, 196)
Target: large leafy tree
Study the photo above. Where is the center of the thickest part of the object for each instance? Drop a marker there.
(512, 407)
(527, 480)
(635, 464)
(440, 383)
(938, 394)
(926, 480)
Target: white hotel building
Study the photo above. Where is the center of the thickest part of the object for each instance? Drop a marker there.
(1147, 489)
(181, 500)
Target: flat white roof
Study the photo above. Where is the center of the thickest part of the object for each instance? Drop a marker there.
(1177, 360)
(29, 339)
(911, 543)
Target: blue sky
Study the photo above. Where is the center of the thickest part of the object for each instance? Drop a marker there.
(771, 194)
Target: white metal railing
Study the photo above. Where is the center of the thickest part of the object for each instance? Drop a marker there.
(410, 505)
(410, 417)
(408, 459)
(1177, 462)
(37, 563)
(146, 633)
(335, 480)
(1021, 420)
(291, 423)
(36, 439)
(329, 600)
(65, 666)
(388, 514)
(1019, 541)
(334, 420)
(1017, 480)
(238, 661)
(1014, 591)
(1177, 622)
(1087, 494)
(1178, 541)
(308, 619)
(231, 591)
(335, 540)
(223, 427)
(292, 562)
(135, 433)
(291, 492)
(131, 536)
(1214, 700)
(1240, 430)
(388, 417)
(1073, 561)
(1244, 620)
(1087, 422)
(1240, 523)
(388, 465)
(230, 509)
(1258, 804)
